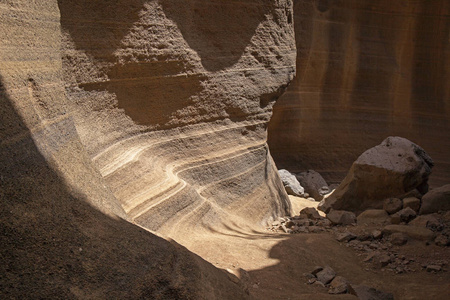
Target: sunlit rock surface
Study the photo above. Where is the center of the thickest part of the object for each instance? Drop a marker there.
(152, 112)
(172, 100)
(366, 70)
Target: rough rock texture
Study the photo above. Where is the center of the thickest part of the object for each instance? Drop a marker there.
(291, 184)
(171, 100)
(392, 168)
(436, 200)
(366, 70)
(131, 69)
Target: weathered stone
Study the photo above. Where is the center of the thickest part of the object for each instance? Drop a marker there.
(377, 234)
(442, 240)
(436, 200)
(433, 268)
(404, 215)
(373, 217)
(345, 236)
(326, 275)
(368, 293)
(314, 184)
(395, 166)
(413, 203)
(341, 217)
(398, 238)
(414, 232)
(338, 285)
(392, 205)
(310, 213)
(291, 183)
(316, 270)
(426, 221)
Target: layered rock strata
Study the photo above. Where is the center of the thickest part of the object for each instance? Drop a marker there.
(365, 70)
(171, 100)
(63, 219)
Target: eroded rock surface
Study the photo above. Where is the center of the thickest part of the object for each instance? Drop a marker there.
(366, 70)
(171, 100)
(392, 168)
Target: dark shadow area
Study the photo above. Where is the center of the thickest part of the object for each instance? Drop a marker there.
(431, 54)
(149, 90)
(217, 30)
(55, 245)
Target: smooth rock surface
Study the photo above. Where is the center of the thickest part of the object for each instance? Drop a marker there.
(392, 168)
(366, 70)
(412, 202)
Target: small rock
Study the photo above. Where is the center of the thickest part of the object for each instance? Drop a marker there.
(341, 217)
(345, 236)
(383, 260)
(367, 293)
(319, 283)
(303, 222)
(392, 205)
(312, 280)
(326, 275)
(311, 213)
(291, 184)
(398, 239)
(413, 203)
(404, 215)
(414, 232)
(309, 276)
(427, 221)
(313, 183)
(289, 223)
(433, 268)
(315, 229)
(364, 237)
(442, 240)
(324, 223)
(377, 234)
(338, 285)
(373, 216)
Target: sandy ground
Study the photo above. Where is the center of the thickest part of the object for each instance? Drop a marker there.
(272, 265)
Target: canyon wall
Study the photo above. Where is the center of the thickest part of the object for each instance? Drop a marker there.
(118, 111)
(365, 70)
(171, 100)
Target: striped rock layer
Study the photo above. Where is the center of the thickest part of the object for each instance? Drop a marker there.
(366, 70)
(171, 100)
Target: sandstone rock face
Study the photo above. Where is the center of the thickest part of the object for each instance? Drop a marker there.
(74, 169)
(365, 70)
(392, 168)
(172, 101)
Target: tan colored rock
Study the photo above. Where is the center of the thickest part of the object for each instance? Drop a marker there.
(414, 232)
(436, 200)
(392, 168)
(373, 216)
(341, 217)
(348, 94)
(392, 205)
(155, 112)
(172, 101)
(412, 202)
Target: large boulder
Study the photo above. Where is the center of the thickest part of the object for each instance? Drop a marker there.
(313, 183)
(390, 169)
(291, 183)
(436, 200)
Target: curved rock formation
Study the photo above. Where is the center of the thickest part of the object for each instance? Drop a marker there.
(136, 110)
(171, 100)
(365, 70)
